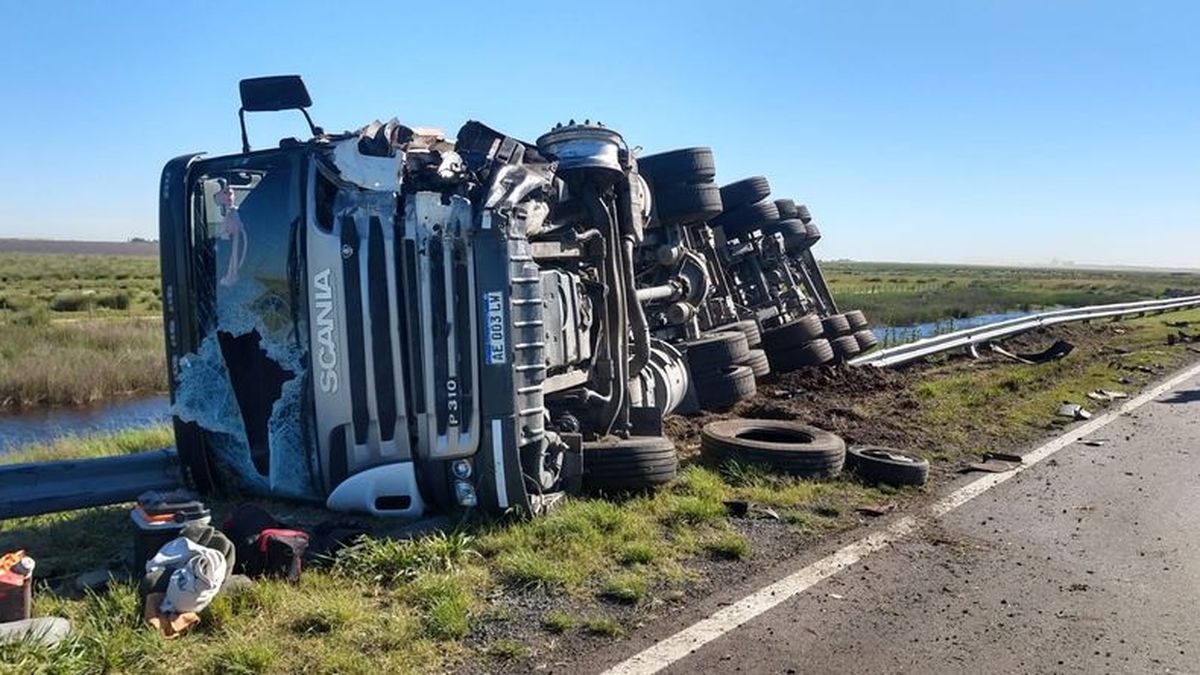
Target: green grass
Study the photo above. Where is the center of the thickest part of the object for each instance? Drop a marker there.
(56, 363)
(894, 294)
(556, 621)
(95, 445)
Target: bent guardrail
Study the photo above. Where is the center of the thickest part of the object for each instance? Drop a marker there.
(35, 488)
(900, 354)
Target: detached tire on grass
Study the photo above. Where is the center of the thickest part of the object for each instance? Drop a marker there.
(635, 463)
(794, 448)
(876, 464)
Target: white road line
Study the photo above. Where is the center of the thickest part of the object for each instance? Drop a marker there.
(666, 652)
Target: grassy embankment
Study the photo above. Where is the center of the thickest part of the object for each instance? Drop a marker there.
(895, 294)
(594, 567)
(78, 328)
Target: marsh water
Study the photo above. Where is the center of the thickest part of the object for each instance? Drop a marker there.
(39, 425)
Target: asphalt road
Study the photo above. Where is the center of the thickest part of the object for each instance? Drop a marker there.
(1087, 562)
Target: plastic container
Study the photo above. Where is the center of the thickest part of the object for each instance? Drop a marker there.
(158, 518)
(16, 596)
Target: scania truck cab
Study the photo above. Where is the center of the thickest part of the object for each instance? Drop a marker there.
(390, 322)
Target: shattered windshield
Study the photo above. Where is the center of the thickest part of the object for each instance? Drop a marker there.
(244, 384)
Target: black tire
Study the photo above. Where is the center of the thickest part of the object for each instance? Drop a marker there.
(813, 234)
(743, 220)
(685, 203)
(746, 191)
(885, 465)
(792, 447)
(720, 390)
(813, 353)
(796, 235)
(787, 208)
(689, 165)
(793, 334)
(836, 326)
(636, 463)
(844, 347)
(758, 362)
(803, 213)
(866, 339)
(747, 326)
(857, 320)
(713, 351)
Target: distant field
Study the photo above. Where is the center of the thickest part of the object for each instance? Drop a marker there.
(902, 294)
(142, 248)
(78, 328)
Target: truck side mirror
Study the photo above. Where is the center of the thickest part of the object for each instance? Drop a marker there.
(271, 94)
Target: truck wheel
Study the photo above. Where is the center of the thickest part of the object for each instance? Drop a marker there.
(721, 389)
(714, 351)
(689, 165)
(866, 339)
(635, 463)
(747, 326)
(812, 353)
(886, 465)
(857, 320)
(793, 334)
(687, 203)
(844, 347)
(757, 362)
(746, 191)
(787, 208)
(835, 326)
(791, 447)
(741, 221)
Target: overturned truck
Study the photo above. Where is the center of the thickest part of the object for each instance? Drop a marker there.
(390, 322)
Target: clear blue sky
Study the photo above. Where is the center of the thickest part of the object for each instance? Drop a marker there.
(966, 131)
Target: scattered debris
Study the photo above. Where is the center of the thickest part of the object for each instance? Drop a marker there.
(1056, 351)
(837, 596)
(1094, 442)
(47, 631)
(1106, 395)
(1003, 457)
(991, 466)
(876, 510)
(1074, 411)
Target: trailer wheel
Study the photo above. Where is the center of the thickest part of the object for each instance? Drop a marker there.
(886, 465)
(747, 326)
(635, 463)
(844, 347)
(746, 191)
(688, 165)
(793, 334)
(757, 362)
(787, 208)
(687, 203)
(857, 320)
(721, 389)
(792, 447)
(866, 339)
(714, 351)
(812, 353)
(738, 222)
(835, 326)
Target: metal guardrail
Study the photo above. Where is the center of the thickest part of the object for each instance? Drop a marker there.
(962, 339)
(35, 488)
